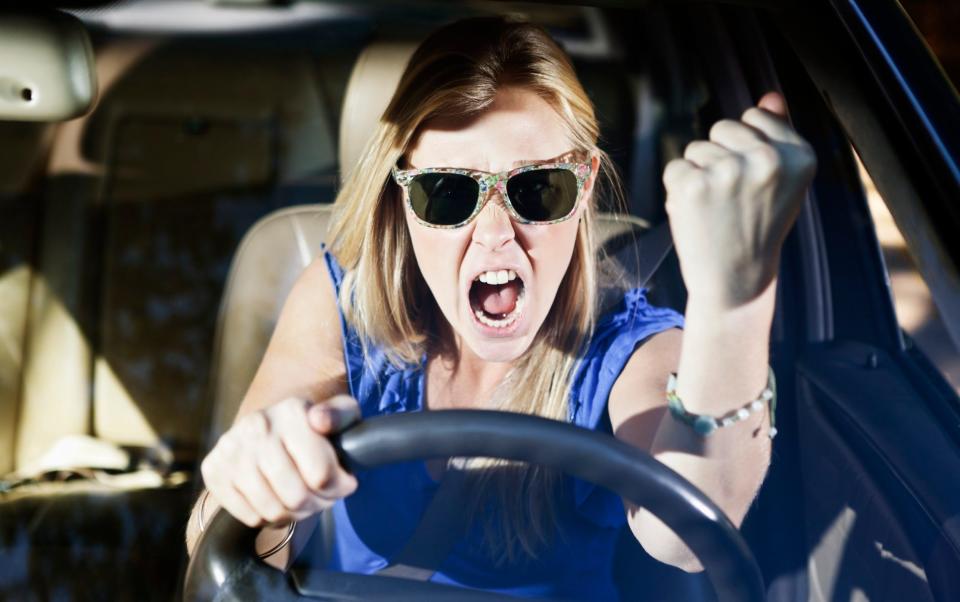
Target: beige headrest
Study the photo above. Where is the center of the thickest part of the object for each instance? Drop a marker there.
(372, 83)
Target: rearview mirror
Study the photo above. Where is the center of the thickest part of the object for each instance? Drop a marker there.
(46, 67)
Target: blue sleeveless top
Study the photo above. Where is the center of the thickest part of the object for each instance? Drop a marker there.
(374, 523)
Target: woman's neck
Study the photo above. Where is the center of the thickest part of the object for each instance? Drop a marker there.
(457, 378)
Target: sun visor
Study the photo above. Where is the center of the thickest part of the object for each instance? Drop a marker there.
(46, 67)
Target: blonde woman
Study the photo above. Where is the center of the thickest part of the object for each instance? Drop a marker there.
(461, 275)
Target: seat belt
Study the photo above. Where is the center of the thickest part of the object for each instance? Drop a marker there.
(444, 522)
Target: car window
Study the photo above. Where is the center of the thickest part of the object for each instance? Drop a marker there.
(916, 309)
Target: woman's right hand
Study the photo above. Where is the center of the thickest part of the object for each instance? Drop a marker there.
(277, 465)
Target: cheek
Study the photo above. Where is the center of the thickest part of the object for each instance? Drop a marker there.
(437, 253)
(550, 251)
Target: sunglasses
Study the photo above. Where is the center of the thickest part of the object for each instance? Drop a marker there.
(538, 193)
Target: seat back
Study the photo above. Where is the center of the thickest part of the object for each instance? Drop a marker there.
(265, 266)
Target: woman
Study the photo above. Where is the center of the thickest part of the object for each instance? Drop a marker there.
(461, 274)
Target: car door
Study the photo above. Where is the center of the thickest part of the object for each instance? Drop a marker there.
(871, 437)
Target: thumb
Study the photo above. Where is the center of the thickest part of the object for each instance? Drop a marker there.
(333, 415)
(775, 103)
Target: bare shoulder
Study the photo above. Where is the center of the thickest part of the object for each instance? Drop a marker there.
(305, 355)
(637, 400)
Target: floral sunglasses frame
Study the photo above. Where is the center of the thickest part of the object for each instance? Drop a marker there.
(578, 163)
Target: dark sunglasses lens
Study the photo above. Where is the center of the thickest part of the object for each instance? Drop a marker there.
(543, 195)
(443, 199)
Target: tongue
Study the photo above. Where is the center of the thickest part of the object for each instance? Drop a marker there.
(498, 299)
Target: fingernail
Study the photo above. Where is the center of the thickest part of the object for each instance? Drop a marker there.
(321, 417)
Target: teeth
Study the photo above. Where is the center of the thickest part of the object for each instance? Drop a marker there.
(497, 276)
(506, 320)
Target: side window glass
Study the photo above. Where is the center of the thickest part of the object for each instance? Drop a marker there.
(916, 312)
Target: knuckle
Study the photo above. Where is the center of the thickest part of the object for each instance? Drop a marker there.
(752, 114)
(207, 469)
(248, 519)
(299, 498)
(315, 473)
(722, 128)
(766, 158)
(292, 405)
(695, 184)
(346, 483)
(323, 476)
(273, 514)
(228, 445)
(728, 170)
(699, 148)
(254, 424)
(316, 480)
(343, 402)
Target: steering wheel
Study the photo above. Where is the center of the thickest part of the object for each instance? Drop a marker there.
(225, 567)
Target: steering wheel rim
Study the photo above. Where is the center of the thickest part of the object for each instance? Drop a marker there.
(224, 566)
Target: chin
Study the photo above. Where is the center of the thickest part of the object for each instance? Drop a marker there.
(500, 351)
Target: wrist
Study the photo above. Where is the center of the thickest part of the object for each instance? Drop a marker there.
(754, 313)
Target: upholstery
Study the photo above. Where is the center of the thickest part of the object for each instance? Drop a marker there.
(268, 261)
(374, 77)
(21, 160)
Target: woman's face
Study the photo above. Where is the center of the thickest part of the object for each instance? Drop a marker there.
(497, 322)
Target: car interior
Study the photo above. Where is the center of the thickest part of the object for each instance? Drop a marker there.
(147, 246)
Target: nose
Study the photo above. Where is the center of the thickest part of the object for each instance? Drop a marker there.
(493, 227)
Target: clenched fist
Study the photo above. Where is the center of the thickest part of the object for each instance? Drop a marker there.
(733, 198)
(277, 465)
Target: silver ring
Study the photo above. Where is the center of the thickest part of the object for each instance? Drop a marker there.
(286, 539)
(282, 544)
(203, 503)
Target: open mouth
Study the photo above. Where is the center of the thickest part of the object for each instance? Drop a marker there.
(496, 298)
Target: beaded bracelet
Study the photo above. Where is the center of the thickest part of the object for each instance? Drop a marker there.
(286, 539)
(704, 424)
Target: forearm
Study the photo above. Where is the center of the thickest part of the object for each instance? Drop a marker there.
(723, 365)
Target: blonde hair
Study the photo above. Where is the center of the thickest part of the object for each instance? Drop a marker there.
(456, 72)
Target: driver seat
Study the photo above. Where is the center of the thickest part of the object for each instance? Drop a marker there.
(280, 246)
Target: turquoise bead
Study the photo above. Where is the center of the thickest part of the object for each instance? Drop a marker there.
(704, 425)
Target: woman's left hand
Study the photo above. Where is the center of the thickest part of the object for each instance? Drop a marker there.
(732, 200)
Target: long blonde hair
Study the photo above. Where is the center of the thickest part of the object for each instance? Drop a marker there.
(456, 72)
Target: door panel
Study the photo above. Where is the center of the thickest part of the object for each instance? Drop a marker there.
(877, 513)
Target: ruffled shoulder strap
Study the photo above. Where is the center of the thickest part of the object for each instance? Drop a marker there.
(378, 385)
(616, 337)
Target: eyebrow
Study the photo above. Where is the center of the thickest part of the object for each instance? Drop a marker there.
(523, 162)
(561, 158)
